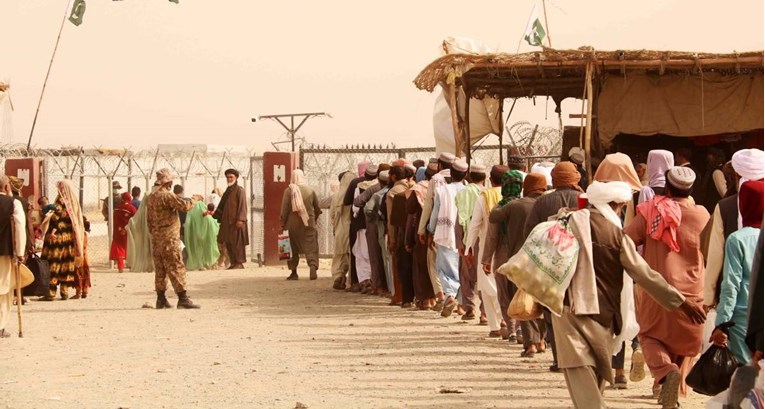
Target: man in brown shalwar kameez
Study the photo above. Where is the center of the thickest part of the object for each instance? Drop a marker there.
(669, 227)
(300, 209)
(232, 215)
(592, 309)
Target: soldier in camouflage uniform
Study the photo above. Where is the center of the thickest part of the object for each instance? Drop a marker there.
(162, 209)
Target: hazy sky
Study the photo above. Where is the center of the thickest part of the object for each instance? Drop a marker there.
(141, 72)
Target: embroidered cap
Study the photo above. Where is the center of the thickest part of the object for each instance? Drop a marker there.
(681, 177)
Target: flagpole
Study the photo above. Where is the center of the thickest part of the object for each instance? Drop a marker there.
(544, 10)
(50, 65)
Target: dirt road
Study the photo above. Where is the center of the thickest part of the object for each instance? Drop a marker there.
(261, 341)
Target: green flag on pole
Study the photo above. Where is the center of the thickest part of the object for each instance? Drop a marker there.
(78, 10)
(535, 33)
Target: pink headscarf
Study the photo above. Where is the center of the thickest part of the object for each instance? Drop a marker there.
(662, 217)
(362, 166)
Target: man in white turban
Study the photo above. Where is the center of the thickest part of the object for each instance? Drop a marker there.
(748, 165)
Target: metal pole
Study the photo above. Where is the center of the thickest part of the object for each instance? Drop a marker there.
(292, 132)
(50, 65)
(110, 216)
(82, 180)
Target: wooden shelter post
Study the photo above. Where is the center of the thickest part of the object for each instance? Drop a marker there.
(588, 124)
(455, 120)
(501, 131)
(466, 124)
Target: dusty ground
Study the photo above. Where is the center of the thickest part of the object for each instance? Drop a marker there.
(261, 341)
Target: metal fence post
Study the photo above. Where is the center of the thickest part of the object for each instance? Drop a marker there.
(110, 221)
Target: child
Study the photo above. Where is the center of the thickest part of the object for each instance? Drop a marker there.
(46, 206)
(210, 209)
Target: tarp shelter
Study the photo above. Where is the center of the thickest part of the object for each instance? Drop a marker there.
(642, 92)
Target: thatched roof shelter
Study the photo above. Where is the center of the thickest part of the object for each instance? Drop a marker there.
(561, 73)
(640, 92)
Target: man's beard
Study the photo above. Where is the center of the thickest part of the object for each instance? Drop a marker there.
(231, 183)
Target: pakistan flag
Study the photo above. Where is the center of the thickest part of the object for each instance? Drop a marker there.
(535, 33)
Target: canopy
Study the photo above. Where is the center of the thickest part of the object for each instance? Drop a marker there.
(641, 92)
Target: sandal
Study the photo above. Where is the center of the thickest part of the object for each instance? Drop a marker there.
(528, 353)
(46, 298)
(449, 307)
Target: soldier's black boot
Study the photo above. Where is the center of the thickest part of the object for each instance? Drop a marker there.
(185, 302)
(294, 275)
(313, 275)
(162, 301)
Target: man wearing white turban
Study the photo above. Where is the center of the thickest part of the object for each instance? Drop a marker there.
(592, 314)
(544, 168)
(748, 165)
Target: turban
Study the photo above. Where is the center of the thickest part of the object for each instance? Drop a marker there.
(749, 163)
(231, 172)
(617, 167)
(565, 174)
(420, 175)
(512, 183)
(534, 183)
(399, 162)
(362, 167)
(659, 162)
(681, 177)
(126, 197)
(16, 183)
(751, 203)
(383, 176)
(164, 176)
(600, 194)
(544, 168)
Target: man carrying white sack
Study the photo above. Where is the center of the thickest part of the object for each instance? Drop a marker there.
(11, 210)
(592, 311)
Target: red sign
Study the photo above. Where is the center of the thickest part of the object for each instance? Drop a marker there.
(277, 171)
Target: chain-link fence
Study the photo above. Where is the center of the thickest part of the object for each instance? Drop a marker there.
(200, 170)
(196, 167)
(322, 166)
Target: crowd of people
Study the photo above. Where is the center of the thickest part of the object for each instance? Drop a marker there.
(164, 232)
(434, 235)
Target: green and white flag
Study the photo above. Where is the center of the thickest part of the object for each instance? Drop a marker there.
(535, 33)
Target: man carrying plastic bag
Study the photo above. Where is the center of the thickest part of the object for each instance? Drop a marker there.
(591, 315)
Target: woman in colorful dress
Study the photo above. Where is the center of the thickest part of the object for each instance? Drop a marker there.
(64, 240)
(122, 215)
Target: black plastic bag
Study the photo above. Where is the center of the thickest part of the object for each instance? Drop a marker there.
(712, 372)
(41, 271)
